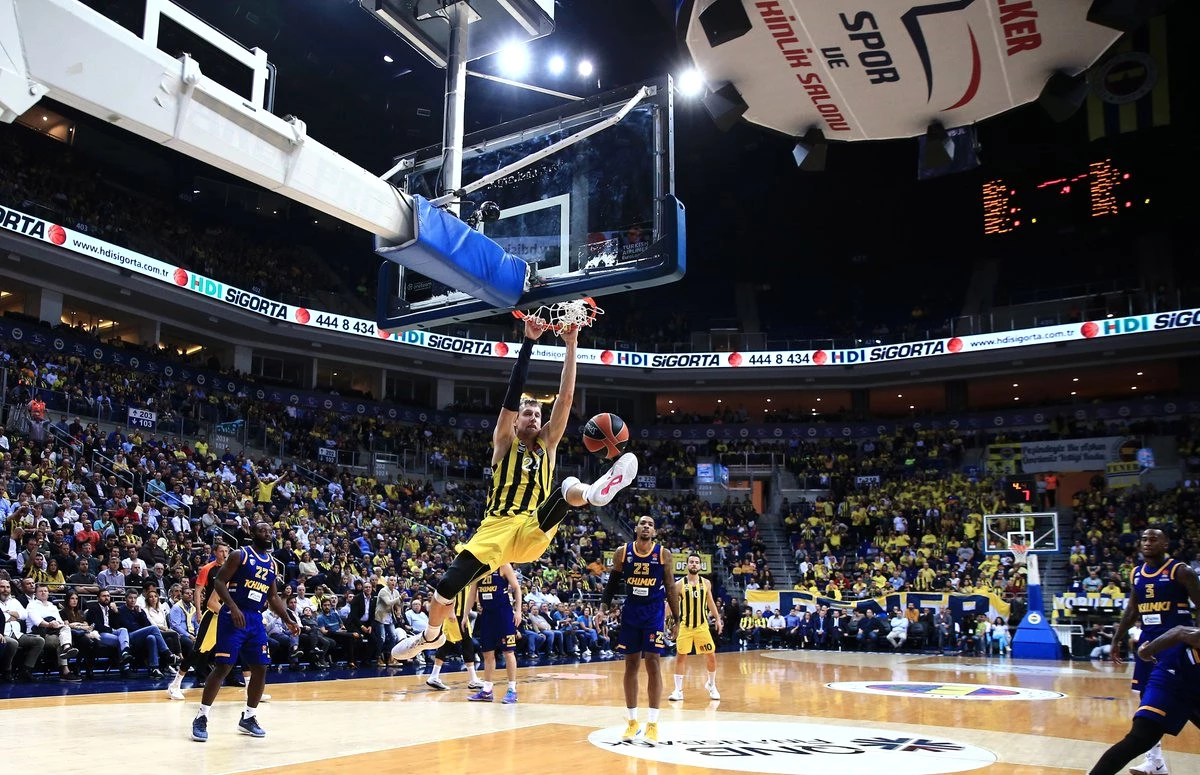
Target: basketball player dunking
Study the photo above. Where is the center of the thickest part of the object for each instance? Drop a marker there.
(524, 508)
(1161, 589)
(645, 566)
(246, 586)
(696, 604)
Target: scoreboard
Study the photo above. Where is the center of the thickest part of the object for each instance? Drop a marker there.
(1101, 190)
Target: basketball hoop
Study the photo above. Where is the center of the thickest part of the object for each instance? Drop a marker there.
(561, 314)
(1020, 553)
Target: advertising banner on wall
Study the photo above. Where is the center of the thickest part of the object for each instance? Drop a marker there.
(187, 281)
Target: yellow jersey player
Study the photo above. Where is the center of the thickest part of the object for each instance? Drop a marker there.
(524, 508)
(696, 604)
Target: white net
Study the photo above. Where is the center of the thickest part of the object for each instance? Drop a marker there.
(1020, 553)
(576, 312)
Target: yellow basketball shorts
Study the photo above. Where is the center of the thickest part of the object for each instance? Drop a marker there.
(695, 640)
(515, 539)
(454, 633)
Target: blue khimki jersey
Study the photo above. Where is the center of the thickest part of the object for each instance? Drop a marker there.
(252, 583)
(1163, 601)
(646, 591)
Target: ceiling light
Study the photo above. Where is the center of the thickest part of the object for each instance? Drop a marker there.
(670, 400)
(388, 58)
(691, 83)
(1073, 392)
(818, 400)
(1016, 385)
(514, 60)
(768, 400)
(1016, 398)
(558, 65)
(1133, 388)
(718, 400)
(1140, 373)
(586, 69)
(899, 395)
(1075, 380)
(910, 406)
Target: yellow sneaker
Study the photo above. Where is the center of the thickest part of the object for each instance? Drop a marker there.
(631, 731)
(651, 734)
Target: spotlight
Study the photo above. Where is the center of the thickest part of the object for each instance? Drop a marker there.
(723, 21)
(691, 83)
(1063, 95)
(514, 60)
(558, 65)
(811, 151)
(586, 69)
(939, 148)
(725, 105)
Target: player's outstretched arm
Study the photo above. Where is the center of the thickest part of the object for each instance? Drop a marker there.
(615, 576)
(554, 430)
(505, 429)
(1187, 635)
(1187, 577)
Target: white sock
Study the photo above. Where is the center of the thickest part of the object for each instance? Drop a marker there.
(177, 681)
(631, 713)
(1155, 754)
(512, 685)
(437, 670)
(432, 633)
(712, 678)
(204, 709)
(249, 712)
(678, 682)
(653, 716)
(471, 674)
(487, 686)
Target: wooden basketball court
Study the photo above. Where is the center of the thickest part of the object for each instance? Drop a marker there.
(921, 714)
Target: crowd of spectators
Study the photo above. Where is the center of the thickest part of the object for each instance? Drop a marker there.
(1108, 525)
(46, 179)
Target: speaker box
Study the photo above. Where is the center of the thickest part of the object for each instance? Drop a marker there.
(723, 21)
(725, 105)
(1063, 95)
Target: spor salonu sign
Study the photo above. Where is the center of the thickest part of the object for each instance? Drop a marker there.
(26, 225)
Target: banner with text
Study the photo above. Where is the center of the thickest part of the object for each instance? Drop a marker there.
(959, 605)
(131, 261)
(1072, 454)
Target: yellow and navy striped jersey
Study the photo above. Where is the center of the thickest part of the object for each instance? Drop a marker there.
(693, 604)
(521, 480)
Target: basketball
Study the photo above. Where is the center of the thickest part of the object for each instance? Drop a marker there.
(606, 435)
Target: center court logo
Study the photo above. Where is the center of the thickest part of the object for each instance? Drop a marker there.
(944, 691)
(745, 746)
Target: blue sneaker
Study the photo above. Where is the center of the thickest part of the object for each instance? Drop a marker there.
(480, 696)
(510, 697)
(250, 727)
(200, 729)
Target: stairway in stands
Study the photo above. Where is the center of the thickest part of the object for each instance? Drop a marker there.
(1056, 568)
(773, 533)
